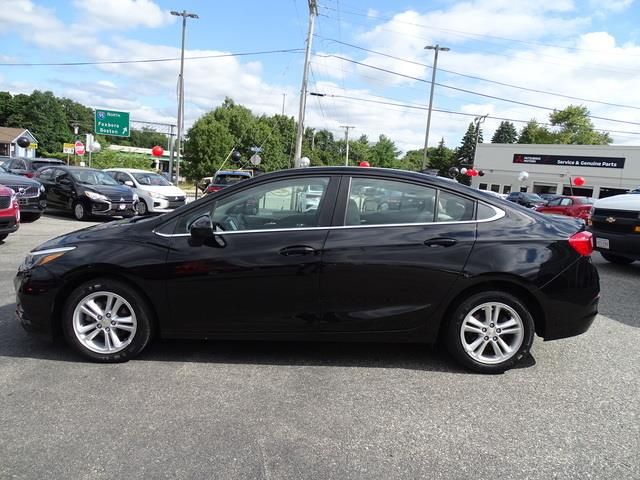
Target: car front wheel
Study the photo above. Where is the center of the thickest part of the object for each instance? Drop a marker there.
(490, 332)
(79, 211)
(141, 207)
(106, 321)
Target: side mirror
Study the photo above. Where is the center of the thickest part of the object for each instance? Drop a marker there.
(129, 183)
(201, 228)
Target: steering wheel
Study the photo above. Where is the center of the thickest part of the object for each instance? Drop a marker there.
(232, 223)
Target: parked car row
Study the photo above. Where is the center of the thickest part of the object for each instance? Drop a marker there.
(43, 183)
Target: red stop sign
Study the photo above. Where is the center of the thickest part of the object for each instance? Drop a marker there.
(79, 146)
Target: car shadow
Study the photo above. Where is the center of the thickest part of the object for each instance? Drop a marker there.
(17, 343)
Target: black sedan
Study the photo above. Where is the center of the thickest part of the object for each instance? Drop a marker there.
(31, 195)
(481, 274)
(86, 192)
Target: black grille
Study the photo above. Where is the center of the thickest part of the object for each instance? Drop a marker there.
(115, 198)
(613, 227)
(5, 202)
(29, 191)
(28, 201)
(602, 212)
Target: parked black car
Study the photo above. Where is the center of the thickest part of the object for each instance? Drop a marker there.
(31, 195)
(29, 166)
(526, 199)
(86, 192)
(478, 272)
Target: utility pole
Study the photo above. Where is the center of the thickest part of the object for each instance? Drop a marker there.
(477, 121)
(313, 12)
(436, 48)
(284, 96)
(346, 141)
(184, 14)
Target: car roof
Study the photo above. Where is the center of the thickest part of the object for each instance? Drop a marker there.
(128, 170)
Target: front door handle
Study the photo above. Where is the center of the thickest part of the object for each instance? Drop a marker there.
(297, 250)
(440, 242)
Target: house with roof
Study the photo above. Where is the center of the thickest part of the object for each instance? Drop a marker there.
(9, 143)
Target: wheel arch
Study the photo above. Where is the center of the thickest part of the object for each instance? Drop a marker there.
(91, 272)
(503, 284)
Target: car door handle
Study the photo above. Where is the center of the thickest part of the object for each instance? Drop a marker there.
(440, 242)
(297, 250)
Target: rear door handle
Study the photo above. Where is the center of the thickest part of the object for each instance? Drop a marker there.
(297, 250)
(440, 242)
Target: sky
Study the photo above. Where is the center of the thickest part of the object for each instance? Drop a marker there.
(510, 59)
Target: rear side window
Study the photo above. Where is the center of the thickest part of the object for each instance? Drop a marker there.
(40, 163)
(454, 208)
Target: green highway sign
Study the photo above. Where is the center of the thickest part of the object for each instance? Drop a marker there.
(111, 122)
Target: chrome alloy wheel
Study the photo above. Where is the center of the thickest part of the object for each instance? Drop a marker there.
(79, 211)
(492, 333)
(104, 322)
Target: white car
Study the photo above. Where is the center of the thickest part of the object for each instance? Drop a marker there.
(156, 193)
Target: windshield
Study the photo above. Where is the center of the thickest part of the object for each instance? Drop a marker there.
(532, 197)
(3, 168)
(149, 178)
(92, 177)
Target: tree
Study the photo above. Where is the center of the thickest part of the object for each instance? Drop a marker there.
(384, 153)
(412, 160)
(533, 132)
(442, 159)
(506, 133)
(207, 145)
(359, 150)
(576, 127)
(467, 148)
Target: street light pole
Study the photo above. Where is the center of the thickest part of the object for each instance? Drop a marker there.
(346, 141)
(436, 48)
(184, 14)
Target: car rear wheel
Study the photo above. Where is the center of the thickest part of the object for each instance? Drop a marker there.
(79, 211)
(106, 321)
(616, 259)
(490, 332)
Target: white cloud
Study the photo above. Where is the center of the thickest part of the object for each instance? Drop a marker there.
(124, 14)
(615, 6)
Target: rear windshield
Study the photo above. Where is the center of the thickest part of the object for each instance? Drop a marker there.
(588, 200)
(532, 196)
(229, 179)
(44, 163)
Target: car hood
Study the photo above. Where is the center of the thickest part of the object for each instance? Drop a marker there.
(11, 179)
(620, 202)
(111, 190)
(110, 231)
(168, 190)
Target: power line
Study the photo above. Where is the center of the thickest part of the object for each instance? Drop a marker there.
(519, 87)
(148, 60)
(396, 103)
(471, 92)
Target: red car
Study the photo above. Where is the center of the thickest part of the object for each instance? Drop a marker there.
(578, 207)
(9, 212)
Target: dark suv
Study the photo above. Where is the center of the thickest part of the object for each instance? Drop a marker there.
(30, 194)
(526, 199)
(28, 166)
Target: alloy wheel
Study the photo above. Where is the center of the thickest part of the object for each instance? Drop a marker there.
(492, 333)
(104, 322)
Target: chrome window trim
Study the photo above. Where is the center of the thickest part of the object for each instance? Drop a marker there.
(499, 214)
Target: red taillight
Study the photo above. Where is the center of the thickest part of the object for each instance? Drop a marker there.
(582, 242)
(29, 174)
(213, 189)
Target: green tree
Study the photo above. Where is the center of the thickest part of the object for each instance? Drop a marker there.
(505, 133)
(533, 132)
(575, 127)
(412, 160)
(145, 137)
(359, 150)
(467, 146)
(207, 145)
(442, 158)
(384, 153)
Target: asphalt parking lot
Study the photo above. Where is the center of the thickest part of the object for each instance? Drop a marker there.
(293, 411)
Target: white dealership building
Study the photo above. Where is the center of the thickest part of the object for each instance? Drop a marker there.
(607, 170)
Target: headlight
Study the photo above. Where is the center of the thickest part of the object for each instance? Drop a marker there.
(43, 257)
(158, 196)
(96, 196)
(135, 197)
(42, 188)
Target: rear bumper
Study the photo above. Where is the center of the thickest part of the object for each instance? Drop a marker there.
(570, 301)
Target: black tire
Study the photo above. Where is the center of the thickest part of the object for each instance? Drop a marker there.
(618, 260)
(141, 207)
(513, 308)
(80, 211)
(3, 236)
(30, 217)
(136, 339)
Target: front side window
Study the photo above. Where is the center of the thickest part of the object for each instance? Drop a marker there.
(46, 174)
(291, 203)
(150, 178)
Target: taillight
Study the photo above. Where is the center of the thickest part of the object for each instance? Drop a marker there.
(29, 174)
(582, 242)
(213, 189)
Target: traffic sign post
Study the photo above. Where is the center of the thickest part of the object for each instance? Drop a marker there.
(113, 123)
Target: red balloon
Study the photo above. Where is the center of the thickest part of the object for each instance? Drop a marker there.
(157, 151)
(579, 181)
(364, 163)
(469, 172)
(474, 172)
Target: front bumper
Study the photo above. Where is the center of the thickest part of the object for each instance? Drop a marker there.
(621, 244)
(158, 205)
(8, 224)
(36, 291)
(32, 204)
(104, 209)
